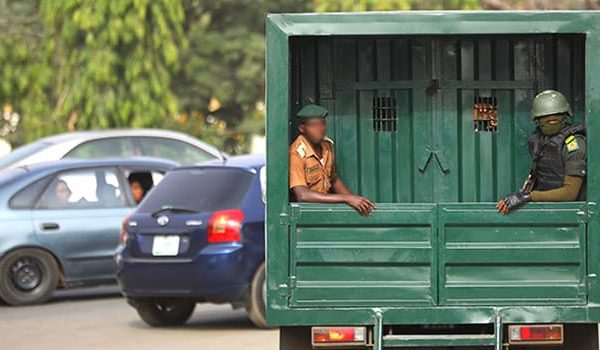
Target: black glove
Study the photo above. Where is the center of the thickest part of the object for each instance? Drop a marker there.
(512, 201)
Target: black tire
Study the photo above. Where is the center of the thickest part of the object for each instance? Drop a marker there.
(28, 276)
(165, 312)
(256, 299)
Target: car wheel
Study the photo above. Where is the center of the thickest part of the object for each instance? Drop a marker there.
(258, 299)
(28, 276)
(165, 312)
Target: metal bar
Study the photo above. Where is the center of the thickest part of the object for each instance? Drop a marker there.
(378, 331)
(444, 84)
(498, 331)
(404, 341)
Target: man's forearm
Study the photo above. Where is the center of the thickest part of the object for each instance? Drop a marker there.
(568, 192)
(319, 197)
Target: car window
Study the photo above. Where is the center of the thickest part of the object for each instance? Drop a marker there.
(89, 188)
(103, 148)
(21, 153)
(178, 151)
(199, 190)
(27, 197)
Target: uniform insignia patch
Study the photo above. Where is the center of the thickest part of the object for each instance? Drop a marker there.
(569, 139)
(312, 169)
(572, 145)
(328, 140)
(301, 150)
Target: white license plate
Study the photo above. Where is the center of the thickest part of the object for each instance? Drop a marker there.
(165, 245)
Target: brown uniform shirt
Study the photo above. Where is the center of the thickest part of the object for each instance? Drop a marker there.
(306, 169)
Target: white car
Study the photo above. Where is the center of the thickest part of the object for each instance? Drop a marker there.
(175, 146)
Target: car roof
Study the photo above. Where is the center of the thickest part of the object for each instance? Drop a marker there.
(100, 134)
(74, 163)
(249, 161)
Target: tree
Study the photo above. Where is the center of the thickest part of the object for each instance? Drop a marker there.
(24, 77)
(112, 62)
(540, 4)
(77, 65)
(220, 86)
(395, 5)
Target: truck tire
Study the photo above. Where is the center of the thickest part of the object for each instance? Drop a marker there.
(164, 312)
(256, 299)
(28, 276)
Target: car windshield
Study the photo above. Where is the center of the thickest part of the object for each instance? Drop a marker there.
(21, 153)
(198, 190)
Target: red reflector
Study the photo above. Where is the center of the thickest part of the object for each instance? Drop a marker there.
(536, 334)
(338, 335)
(225, 226)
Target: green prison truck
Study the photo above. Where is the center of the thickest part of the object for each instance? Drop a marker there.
(435, 266)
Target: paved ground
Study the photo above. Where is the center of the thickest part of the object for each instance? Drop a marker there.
(99, 318)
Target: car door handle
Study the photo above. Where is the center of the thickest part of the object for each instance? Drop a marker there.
(50, 226)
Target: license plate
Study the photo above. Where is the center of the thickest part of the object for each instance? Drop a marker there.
(165, 245)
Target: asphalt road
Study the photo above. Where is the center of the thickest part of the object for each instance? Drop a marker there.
(99, 318)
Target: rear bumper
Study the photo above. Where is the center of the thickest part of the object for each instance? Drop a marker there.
(218, 273)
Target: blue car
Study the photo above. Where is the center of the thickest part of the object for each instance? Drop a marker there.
(60, 222)
(197, 237)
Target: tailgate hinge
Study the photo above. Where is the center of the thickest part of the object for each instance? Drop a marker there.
(291, 218)
(284, 219)
(291, 284)
(285, 290)
(590, 281)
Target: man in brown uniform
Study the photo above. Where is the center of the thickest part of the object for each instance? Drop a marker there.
(312, 165)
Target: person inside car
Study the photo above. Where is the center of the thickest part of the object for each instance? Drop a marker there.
(140, 183)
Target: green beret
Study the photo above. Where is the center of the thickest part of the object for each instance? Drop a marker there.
(312, 111)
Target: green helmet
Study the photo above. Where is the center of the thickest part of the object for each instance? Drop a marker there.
(550, 102)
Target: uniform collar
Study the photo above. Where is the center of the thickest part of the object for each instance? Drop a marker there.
(310, 150)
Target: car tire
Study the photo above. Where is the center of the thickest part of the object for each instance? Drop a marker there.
(28, 276)
(165, 312)
(255, 305)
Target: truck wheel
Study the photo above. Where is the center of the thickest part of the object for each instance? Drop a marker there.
(165, 312)
(28, 276)
(257, 299)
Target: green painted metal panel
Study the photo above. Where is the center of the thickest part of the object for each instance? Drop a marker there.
(348, 59)
(347, 73)
(537, 258)
(341, 259)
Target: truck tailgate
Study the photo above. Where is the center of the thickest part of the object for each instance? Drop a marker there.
(437, 254)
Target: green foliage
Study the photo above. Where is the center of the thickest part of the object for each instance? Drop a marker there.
(25, 76)
(113, 61)
(394, 5)
(191, 65)
(224, 63)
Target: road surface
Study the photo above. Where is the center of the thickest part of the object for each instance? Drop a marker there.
(99, 318)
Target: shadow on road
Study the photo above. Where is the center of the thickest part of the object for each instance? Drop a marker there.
(81, 294)
(225, 320)
(208, 325)
(78, 294)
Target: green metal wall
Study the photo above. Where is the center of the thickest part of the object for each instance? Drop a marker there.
(435, 155)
